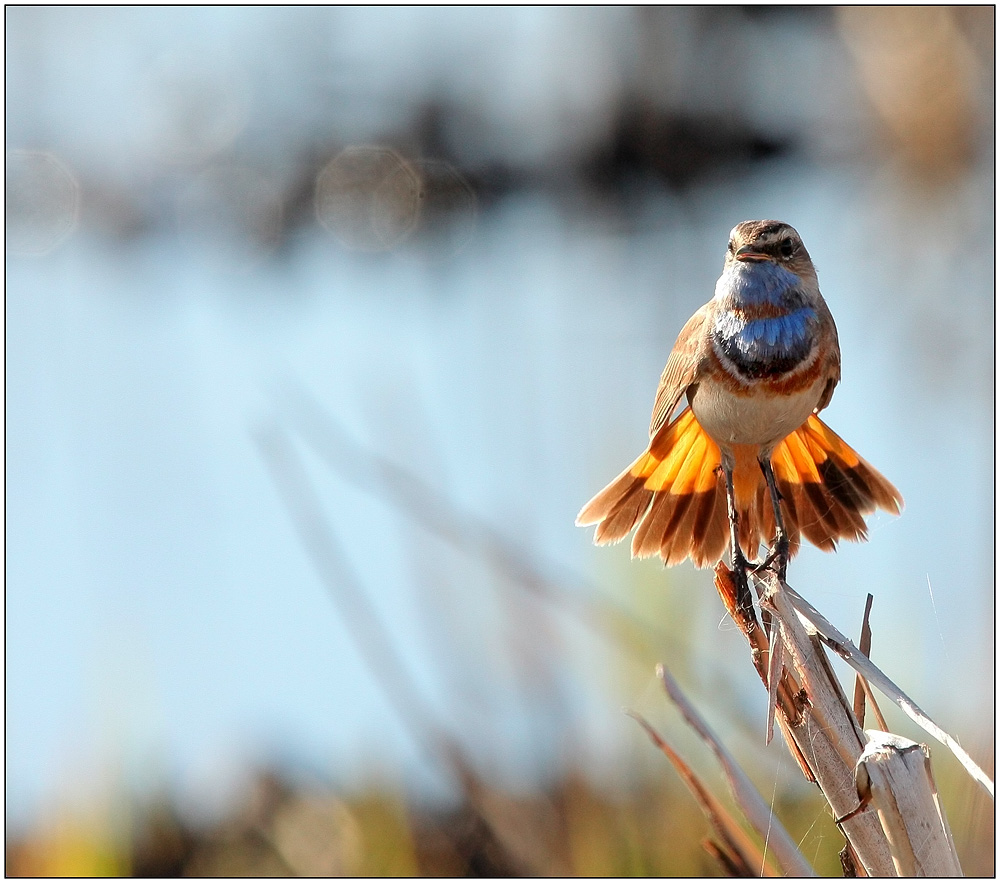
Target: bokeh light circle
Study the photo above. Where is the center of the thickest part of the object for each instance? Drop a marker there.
(367, 197)
(195, 105)
(445, 204)
(42, 202)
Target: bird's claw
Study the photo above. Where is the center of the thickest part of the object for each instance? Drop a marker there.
(740, 569)
(777, 553)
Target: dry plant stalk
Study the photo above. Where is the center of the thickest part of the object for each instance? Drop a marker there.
(894, 777)
(880, 790)
(731, 847)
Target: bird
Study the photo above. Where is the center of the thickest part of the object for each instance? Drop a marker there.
(746, 460)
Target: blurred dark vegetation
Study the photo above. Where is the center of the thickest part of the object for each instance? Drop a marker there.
(569, 828)
(913, 70)
(694, 108)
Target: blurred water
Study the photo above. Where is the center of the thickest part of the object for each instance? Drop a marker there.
(164, 623)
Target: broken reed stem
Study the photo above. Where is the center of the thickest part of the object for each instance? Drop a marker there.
(823, 734)
(865, 646)
(815, 719)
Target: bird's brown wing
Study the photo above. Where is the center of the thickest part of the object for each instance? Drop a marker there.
(832, 346)
(683, 368)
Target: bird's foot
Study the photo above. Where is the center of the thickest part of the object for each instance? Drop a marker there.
(778, 554)
(741, 567)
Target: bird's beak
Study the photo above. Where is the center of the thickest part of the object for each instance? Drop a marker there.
(746, 253)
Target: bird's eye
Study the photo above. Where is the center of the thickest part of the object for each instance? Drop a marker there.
(730, 248)
(787, 248)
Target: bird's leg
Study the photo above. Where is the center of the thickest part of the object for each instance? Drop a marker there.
(743, 596)
(779, 552)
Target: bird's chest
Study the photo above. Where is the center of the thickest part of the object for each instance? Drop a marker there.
(765, 381)
(761, 414)
(764, 377)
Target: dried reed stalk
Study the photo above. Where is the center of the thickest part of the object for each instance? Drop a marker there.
(879, 786)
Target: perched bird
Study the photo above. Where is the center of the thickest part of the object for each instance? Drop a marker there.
(747, 460)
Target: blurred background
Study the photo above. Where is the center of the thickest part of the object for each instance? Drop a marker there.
(321, 327)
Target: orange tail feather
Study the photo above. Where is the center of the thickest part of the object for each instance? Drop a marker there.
(675, 493)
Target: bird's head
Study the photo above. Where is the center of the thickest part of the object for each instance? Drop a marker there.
(774, 241)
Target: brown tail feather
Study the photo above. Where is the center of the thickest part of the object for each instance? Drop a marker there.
(677, 541)
(676, 495)
(705, 512)
(716, 539)
(647, 538)
(624, 515)
(604, 503)
(819, 523)
(678, 528)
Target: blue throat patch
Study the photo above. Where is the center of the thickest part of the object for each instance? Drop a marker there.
(757, 282)
(768, 346)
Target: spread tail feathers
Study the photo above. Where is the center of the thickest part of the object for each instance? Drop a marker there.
(676, 494)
